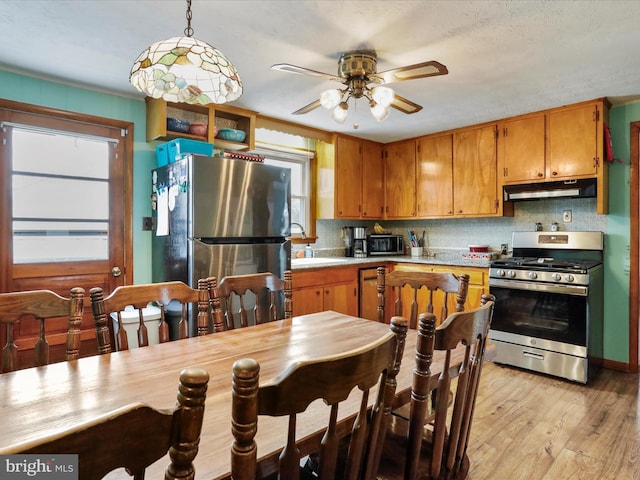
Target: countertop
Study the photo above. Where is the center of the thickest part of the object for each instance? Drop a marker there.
(454, 257)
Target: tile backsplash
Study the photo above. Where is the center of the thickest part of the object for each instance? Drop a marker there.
(460, 232)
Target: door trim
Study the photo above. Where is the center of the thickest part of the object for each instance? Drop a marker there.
(634, 254)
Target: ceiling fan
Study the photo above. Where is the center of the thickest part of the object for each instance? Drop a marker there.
(357, 71)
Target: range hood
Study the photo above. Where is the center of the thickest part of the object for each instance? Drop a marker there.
(583, 188)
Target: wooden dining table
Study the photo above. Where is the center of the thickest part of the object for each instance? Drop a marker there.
(44, 400)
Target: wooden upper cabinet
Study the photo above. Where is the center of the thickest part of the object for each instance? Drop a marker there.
(348, 177)
(475, 189)
(434, 169)
(523, 149)
(572, 142)
(372, 180)
(400, 179)
(359, 178)
(558, 144)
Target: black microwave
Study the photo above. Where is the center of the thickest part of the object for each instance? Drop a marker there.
(385, 244)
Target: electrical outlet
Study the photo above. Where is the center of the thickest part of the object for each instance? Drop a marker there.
(566, 216)
(504, 248)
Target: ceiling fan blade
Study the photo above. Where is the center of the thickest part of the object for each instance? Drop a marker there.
(404, 105)
(411, 72)
(285, 67)
(308, 108)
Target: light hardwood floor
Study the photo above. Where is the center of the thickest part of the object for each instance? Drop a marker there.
(535, 427)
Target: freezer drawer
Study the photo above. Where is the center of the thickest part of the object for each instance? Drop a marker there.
(220, 260)
(543, 361)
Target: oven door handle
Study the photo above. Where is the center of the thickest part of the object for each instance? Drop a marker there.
(539, 287)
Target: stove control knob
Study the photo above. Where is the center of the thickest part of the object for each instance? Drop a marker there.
(569, 278)
(511, 273)
(556, 277)
(533, 275)
(501, 273)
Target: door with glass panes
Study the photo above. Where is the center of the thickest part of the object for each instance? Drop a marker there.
(63, 216)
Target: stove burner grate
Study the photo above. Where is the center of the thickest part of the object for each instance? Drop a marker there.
(544, 263)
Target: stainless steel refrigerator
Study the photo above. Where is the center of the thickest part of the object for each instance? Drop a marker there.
(216, 217)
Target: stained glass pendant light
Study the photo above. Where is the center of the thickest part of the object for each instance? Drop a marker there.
(186, 70)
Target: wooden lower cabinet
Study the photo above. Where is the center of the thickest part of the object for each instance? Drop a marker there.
(330, 288)
(336, 288)
(478, 284)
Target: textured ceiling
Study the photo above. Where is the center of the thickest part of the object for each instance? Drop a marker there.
(504, 57)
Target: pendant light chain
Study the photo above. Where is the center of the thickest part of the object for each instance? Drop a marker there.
(188, 32)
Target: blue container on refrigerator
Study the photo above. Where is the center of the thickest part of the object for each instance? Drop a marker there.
(169, 152)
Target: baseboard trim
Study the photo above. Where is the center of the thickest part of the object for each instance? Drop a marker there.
(614, 365)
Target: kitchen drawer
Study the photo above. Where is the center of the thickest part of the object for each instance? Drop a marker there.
(313, 277)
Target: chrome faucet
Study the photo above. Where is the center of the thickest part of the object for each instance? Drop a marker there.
(302, 234)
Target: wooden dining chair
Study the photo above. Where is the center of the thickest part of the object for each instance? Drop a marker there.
(390, 285)
(331, 379)
(140, 296)
(45, 307)
(134, 436)
(438, 450)
(251, 299)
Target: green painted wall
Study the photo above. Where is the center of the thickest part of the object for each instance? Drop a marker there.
(616, 333)
(35, 91)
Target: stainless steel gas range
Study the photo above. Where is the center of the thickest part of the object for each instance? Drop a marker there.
(549, 303)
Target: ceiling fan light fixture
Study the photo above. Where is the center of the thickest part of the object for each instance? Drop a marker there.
(186, 70)
(330, 98)
(379, 112)
(382, 95)
(358, 72)
(339, 114)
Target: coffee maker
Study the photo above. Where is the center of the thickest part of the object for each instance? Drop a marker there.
(359, 242)
(355, 241)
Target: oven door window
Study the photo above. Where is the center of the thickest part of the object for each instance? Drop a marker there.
(552, 316)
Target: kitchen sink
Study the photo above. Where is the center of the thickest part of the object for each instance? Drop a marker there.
(317, 261)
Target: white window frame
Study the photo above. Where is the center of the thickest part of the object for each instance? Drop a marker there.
(289, 155)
